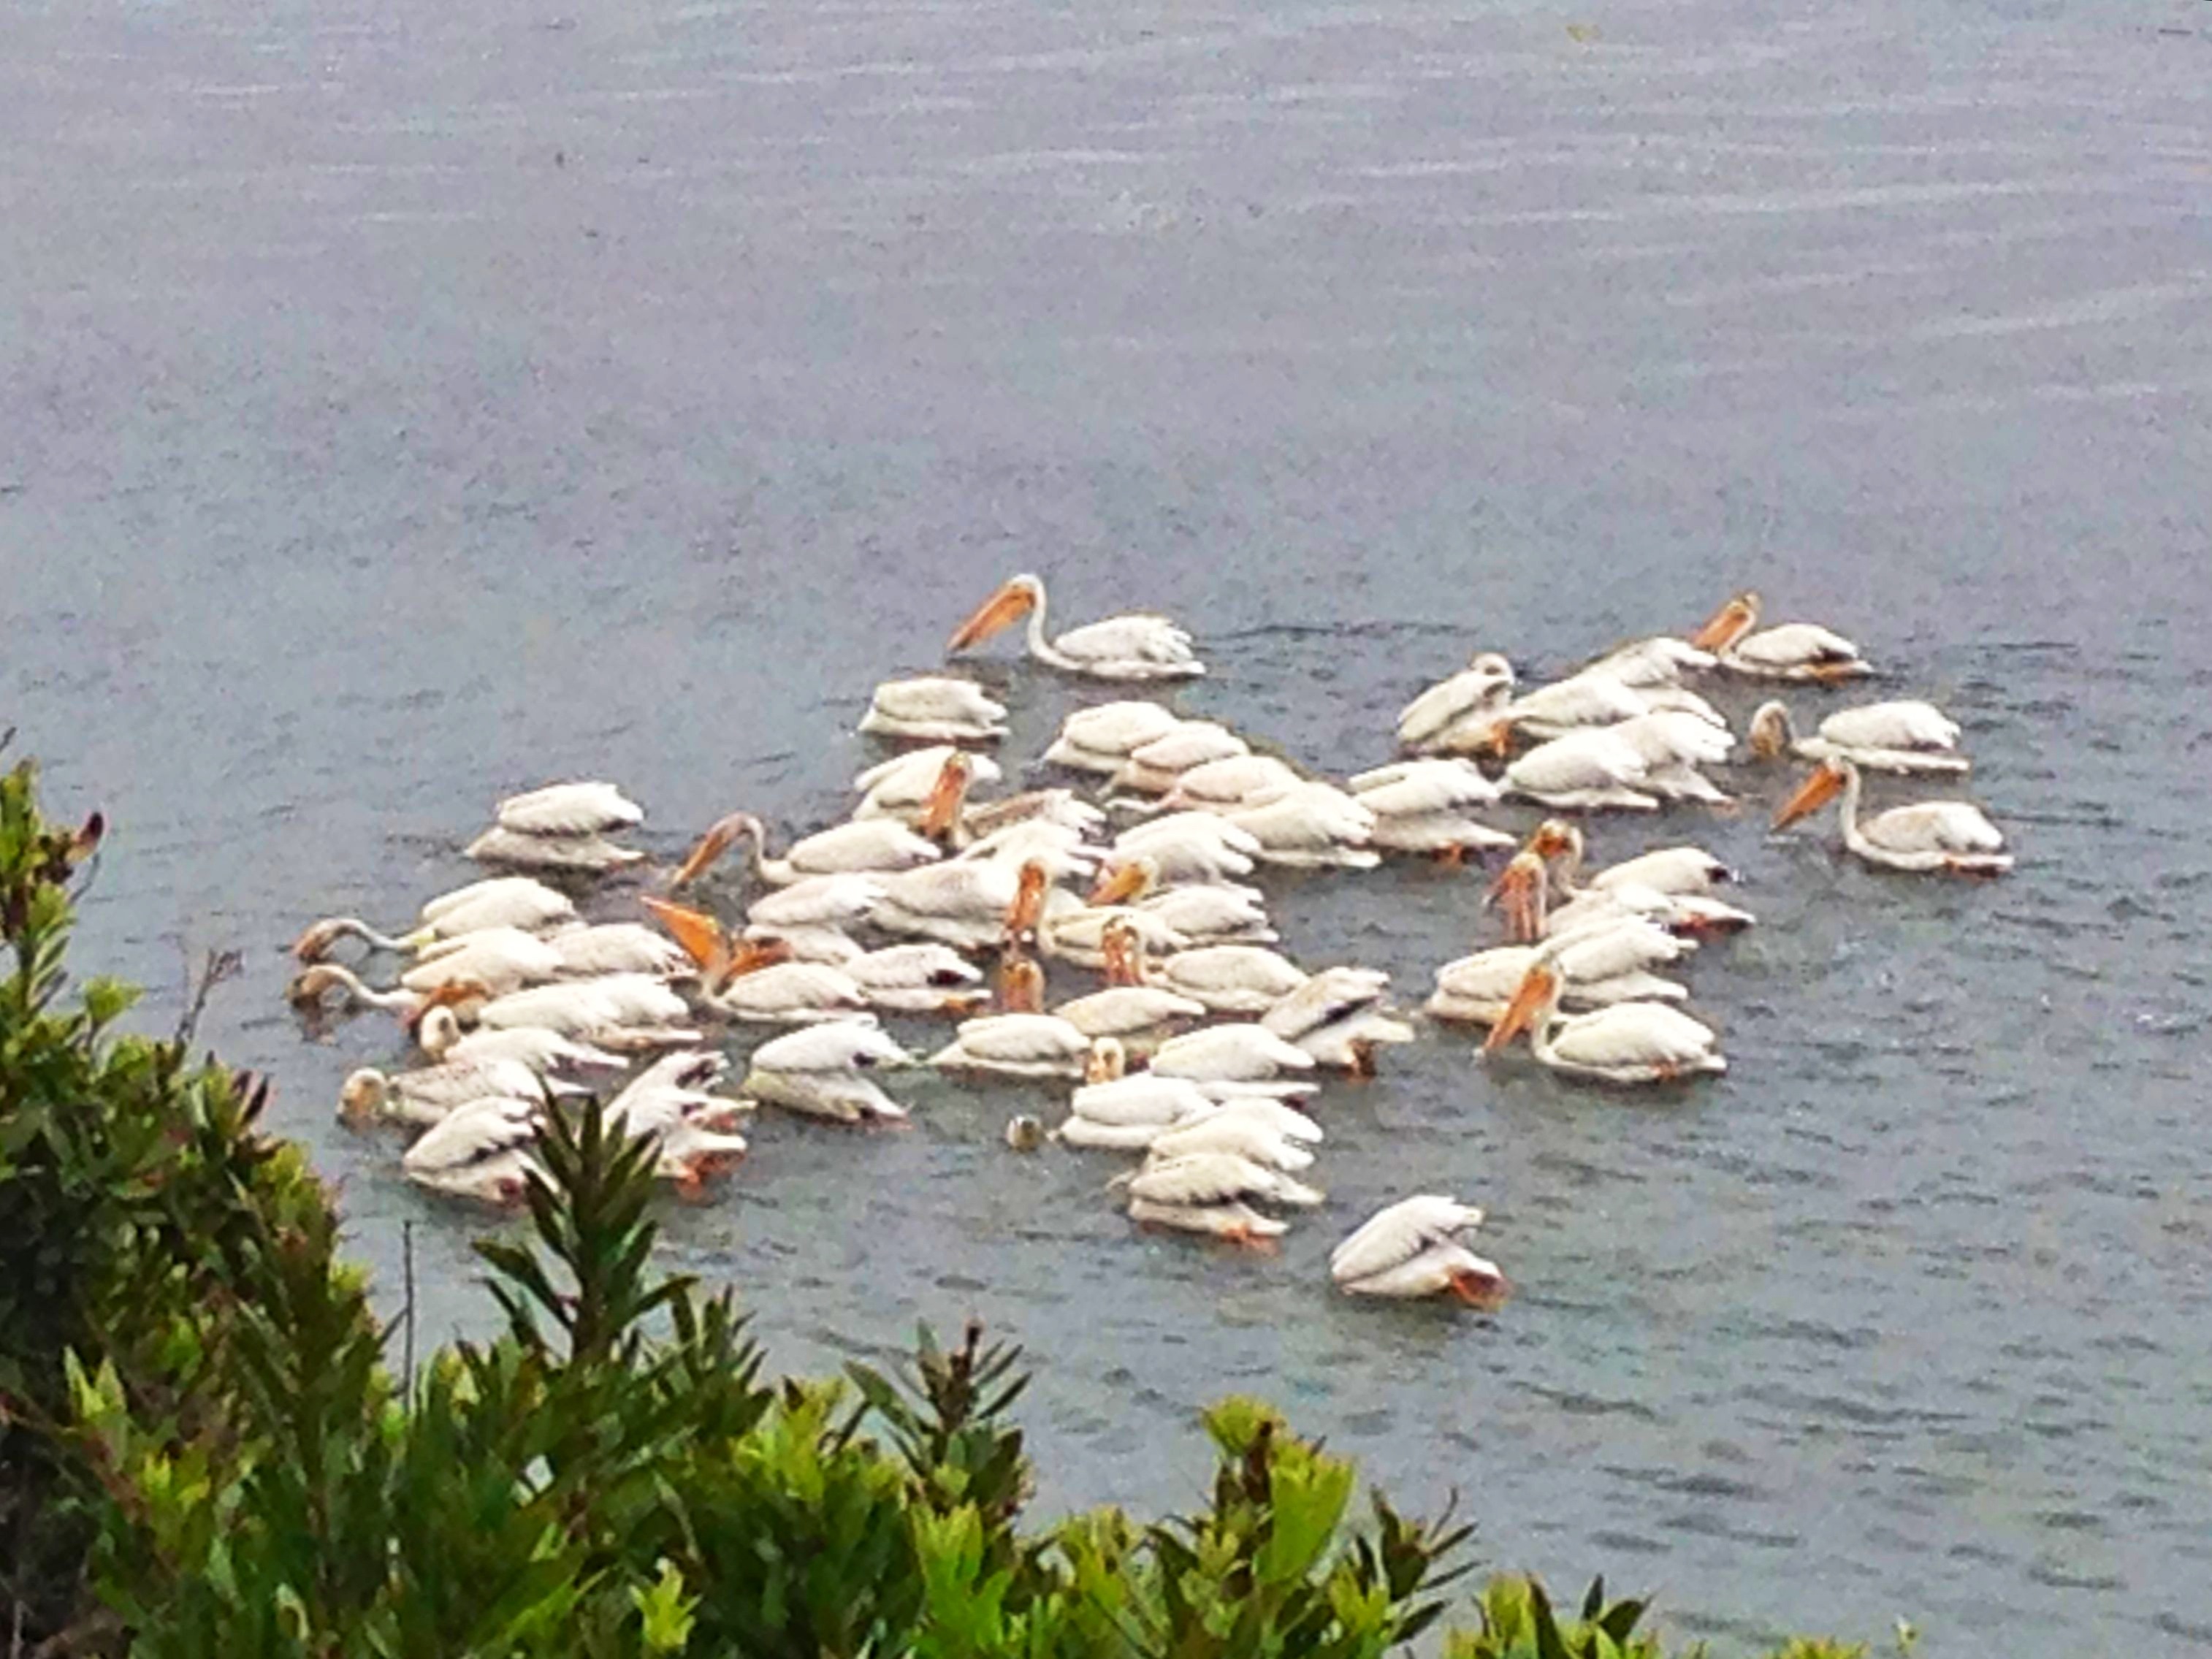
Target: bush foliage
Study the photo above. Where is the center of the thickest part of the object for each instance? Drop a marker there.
(203, 1451)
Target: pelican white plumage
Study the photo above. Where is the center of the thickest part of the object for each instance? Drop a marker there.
(425, 1095)
(588, 855)
(1337, 1016)
(1581, 701)
(442, 1037)
(501, 959)
(834, 901)
(1155, 768)
(827, 1072)
(1673, 745)
(1411, 1249)
(617, 1011)
(1017, 1045)
(1791, 651)
(1469, 699)
(692, 1129)
(1626, 1043)
(1234, 781)
(1185, 848)
(968, 904)
(1203, 1178)
(1220, 913)
(312, 987)
(517, 902)
(1101, 738)
(1311, 826)
(935, 708)
(1424, 806)
(870, 846)
(1522, 893)
(1601, 966)
(1239, 1053)
(1223, 1130)
(917, 979)
(1583, 771)
(903, 786)
(1648, 664)
(481, 1150)
(1128, 1007)
(1127, 647)
(1951, 836)
(1904, 736)
(1232, 979)
(1680, 869)
(787, 992)
(569, 810)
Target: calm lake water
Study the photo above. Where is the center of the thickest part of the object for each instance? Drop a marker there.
(405, 404)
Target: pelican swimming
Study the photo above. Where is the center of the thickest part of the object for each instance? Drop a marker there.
(569, 810)
(1225, 1130)
(1239, 1053)
(1626, 1043)
(1236, 780)
(1021, 1043)
(1337, 1017)
(1792, 651)
(481, 1150)
(424, 1096)
(1948, 836)
(917, 979)
(1603, 967)
(1128, 1007)
(523, 902)
(872, 847)
(750, 981)
(1649, 664)
(506, 958)
(1232, 979)
(617, 1011)
(1313, 826)
(1411, 1249)
(312, 987)
(903, 786)
(1220, 913)
(1129, 647)
(1880, 737)
(588, 854)
(1673, 745)
(828, 1071)
(1206, 1192)
(1101, 738)
(693, 1131)
(934, 708)
(1583, 771)
(829, 902)
(1685, 870)
(1423, 807)
(1186, 847)
(971, 906)
(1522, 893)
(1156, 767)
(440, 1036)
(1469, 699)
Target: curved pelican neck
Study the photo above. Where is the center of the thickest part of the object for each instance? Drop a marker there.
(1854, 838)
(1041, 646)
(1546, 1016)
(395, 1000)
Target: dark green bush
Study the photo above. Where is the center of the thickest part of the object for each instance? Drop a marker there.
(205, 1454)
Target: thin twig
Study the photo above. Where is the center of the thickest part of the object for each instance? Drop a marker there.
(219, 966)
(407, 1314)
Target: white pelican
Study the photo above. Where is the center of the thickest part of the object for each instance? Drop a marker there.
(1411, 1248)
(617, 1011)
(917, 979)
(1311, 826)
(828, 945)
(1232, 979)
(1423, 807)
(1793, 651)
(840, 901)
(969, 905)
(1156, 767)
(1128, 1007)
(481, 1150)
(1241, 1053)
(1337, 1016)
(502, 959)
(1233, 1222)
(1101, 738)
(1626, 1043)
(1223, 1130)
(987, 819)
(1133, 648)
(1522, 892)
(1202, 913)
(1949, 836)
(1469, 698)
(1017, 1044)
(1583, 770)
(1124, 1112)
(1060, 849)
(935, 708)
(517, 902)
(1878, 737)
(1186, 847)
(615, 947)
(751, 981)
(1673, 745)
(311, 989)
(1200, 1179)
(424, 1096)
(1070, 930)
(1587, 698)
(826, 1071)
(1601, 967)
(1685, 870)
(568, 809)
(1233, 781)
(1649, 664)
(903, 786)
(872, 846)
(575, 855)
(441, 1038)
(693, 1131)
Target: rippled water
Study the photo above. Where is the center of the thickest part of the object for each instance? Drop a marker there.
(404, 407)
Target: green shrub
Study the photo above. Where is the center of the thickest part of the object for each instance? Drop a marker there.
(207, 1456)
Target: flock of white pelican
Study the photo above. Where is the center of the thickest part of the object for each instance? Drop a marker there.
(1198, 1053)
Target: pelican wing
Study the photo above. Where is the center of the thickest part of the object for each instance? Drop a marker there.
(1630, 1034)
(570, 809)
(1145, 1098)
(1399, 1232)
(871, 844)
(937, 697)
(1472, 690)
(1416, 788)
(1020, 1040)
(1584, 760)
(1934, 826)
(1136, 638)
(1229, 1054)
(1795, 644)
(1111, 729)
(1901, 725)
(473, 1133)
(1120, 1010)
(843, 1045)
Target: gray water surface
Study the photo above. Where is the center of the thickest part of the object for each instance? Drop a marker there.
(405, 404)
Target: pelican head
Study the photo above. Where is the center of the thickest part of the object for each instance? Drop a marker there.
(1125, 882)
(1825, 783)
(1021, 986)
(1108, 1062)
(364, 1094)
(1519, 894)
(718, 840)
(309, 987)
(316, 943)
(1729, 624)
(1537, 995)
(439, 1030)
(1016, 598)
(1492, 664)
(948, 795)
(1478, 1282)
(1025, 1133)
(1028, 908)
(1770, 732)
(1123, 952)
(1556, 838)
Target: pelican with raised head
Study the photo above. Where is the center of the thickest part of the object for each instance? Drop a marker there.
(1129, 647)
(1948, 836)
(1627, 1042)
(1790, 651)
